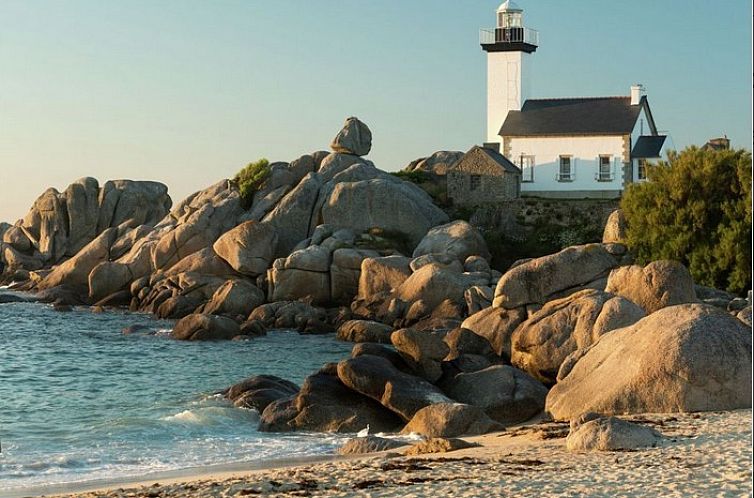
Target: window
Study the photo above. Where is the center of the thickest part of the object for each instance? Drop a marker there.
(605, 173)
(565, 173)
(642, 169)
(527, 168)
(476, 182)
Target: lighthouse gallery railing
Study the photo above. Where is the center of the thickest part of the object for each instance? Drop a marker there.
(490, 36)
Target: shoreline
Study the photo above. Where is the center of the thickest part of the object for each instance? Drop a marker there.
(166, 477)
(702, 454)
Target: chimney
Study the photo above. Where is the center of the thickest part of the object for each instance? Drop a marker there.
(637, 92)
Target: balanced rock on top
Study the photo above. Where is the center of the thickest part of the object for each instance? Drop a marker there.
(354, 138)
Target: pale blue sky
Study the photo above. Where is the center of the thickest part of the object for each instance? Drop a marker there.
(188, 91)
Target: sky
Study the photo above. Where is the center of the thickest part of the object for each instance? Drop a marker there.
(187, 92)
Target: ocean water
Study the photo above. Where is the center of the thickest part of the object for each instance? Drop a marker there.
(80, 401)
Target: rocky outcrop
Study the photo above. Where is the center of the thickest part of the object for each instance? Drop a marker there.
(355, 138)
(496, 325)
(324, 404)
(506, 394)
(541, 344)
(536, 280)
(365, 331)
(234, 298)
(683, 358)
(437, 164)
(655, 286)
(398, 208)
(457, 238)
(451, 420)
(198, 327)
(258, 392)
(294, 315)
(248, 248)
(590, 432)
(424, 351)
(379, 379)
(382, 275)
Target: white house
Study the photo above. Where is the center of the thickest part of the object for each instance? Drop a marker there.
(588, 147)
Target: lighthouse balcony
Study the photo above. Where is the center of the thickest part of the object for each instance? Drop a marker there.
(509, 39)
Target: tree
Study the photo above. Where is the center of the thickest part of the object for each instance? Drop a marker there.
(696, 209)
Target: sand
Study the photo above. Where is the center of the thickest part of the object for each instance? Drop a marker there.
(706, 454)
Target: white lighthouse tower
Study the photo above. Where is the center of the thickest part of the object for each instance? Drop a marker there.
(509, 48)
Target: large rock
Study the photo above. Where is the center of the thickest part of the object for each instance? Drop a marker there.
(506, 394)
(364, 331)
(368, 444)
(457, 238)
(535, 280)
(324, 404)
(432, 284)
(685, 358)
(541, 344)
(423, 350)
(497, 326)
(259, 391)
(234, 298)
(610, 434)
(436, 164)
(451, 420)
(379, 275)
(379, 379)
(615, 228)
(655, 286)
(400, 209)
(345, 273)
(292, 216)
(249, 248)
(198, 327)
(75, 271)
(292, 284)
(354, 138)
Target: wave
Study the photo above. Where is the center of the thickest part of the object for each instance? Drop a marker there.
(214, 416)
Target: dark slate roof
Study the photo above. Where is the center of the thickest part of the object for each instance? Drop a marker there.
(648, 146)
(574, 116)
(500, 159)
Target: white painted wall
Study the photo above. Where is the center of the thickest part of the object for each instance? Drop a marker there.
(508, 87)
(585, 152)
(637, 131)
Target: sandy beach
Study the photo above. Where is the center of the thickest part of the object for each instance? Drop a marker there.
(703, 454)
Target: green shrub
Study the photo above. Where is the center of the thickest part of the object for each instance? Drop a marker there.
(250, 179)
(417, 176)
(696, 209)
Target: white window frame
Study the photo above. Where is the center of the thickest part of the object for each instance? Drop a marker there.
(599, 176)
(570, 176)
(532, 163)
(641, 167)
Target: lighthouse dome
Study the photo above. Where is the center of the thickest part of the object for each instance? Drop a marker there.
(509, 6)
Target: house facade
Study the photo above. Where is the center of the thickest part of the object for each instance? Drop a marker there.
(590, 147)
(481, 176)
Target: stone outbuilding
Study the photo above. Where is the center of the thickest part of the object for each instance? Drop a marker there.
(483, 175)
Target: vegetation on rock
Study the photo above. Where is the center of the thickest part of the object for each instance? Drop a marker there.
(696, 209)
(250, 178)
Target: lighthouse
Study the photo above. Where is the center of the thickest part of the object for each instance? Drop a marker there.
(509, 48)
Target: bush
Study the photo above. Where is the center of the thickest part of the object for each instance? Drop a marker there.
(696, 209)
(417, 176)
(250, 179)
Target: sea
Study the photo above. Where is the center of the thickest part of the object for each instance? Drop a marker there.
(81, 402)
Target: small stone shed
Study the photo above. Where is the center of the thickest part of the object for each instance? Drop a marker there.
(483, 175)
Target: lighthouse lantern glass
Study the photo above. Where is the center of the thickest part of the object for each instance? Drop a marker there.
(509, 19)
